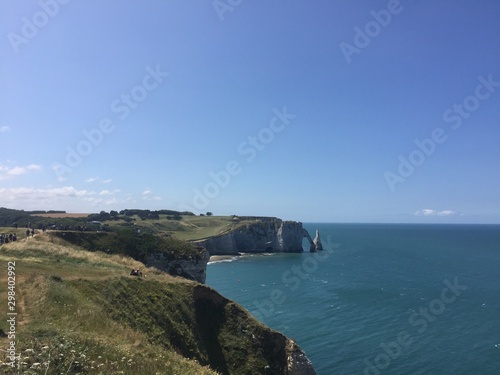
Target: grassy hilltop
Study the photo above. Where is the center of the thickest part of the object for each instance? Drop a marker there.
(188, 227)
(181, 225)
(80, 312)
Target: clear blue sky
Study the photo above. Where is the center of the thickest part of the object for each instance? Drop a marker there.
(171, 93)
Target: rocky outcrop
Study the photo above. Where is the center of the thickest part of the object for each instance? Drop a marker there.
(265, 235)
(193, 269)
(297, 361)
(318, 246)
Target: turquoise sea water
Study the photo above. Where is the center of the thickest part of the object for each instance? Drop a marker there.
(382, 299)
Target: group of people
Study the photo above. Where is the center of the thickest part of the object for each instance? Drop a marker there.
(30, 231)
(11, 237)
(6, 238)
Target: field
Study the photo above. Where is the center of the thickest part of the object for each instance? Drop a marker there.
(61, 216)
(181, 225)
(189, 228)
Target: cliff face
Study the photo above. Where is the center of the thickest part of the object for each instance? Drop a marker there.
(225, 244)
(265, 235)
(289, 236)
(221, 323)
(270, 236)
(193, 269)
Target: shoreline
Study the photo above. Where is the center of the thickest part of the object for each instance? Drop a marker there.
(230, 258)
(220, 258)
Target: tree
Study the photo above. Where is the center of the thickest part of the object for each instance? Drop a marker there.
(209, 213)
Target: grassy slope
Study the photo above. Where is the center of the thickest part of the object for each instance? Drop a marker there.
(190, 227)
(80, 312)
(75, 333)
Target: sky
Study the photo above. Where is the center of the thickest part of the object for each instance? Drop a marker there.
(324, 111)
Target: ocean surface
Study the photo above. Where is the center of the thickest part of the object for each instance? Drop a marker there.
(381, 299)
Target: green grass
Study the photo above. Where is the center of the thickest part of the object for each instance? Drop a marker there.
(189, 228)
(41, 255)
(137, 245)
(63, 327)
(79, 312)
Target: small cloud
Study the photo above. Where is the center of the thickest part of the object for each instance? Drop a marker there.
(69, 197)
(425, 212)
(446, 213)
(107, 192)
(430, 212)
(10, 172)
(147, 195)
(94, 179)
(4, 129)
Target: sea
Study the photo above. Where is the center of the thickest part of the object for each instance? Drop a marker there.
(386, 299)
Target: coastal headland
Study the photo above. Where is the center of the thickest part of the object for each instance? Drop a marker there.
(79, 308)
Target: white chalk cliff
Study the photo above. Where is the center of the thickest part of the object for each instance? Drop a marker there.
(193, 269)
(266, 235)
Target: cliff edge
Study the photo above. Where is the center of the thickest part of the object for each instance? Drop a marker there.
(81, 312)
(263, 235)
(192, 268)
